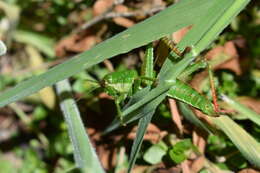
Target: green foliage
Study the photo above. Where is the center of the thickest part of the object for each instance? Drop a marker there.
(180, 151)
(158, 150)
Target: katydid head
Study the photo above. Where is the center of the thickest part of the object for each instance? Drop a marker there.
(119, 83)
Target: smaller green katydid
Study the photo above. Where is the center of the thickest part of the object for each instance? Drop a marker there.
(182, 91)
(119, 85)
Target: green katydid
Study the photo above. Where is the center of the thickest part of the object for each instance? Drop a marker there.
(122, 84)
(182, 91)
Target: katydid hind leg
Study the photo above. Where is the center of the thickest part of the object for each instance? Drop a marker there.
(213, 88)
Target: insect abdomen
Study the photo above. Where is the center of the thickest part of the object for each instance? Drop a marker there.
(187, 94)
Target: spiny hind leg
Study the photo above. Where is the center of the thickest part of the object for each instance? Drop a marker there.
(214, 93)
(213, 89)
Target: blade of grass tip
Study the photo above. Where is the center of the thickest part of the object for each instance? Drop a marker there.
(84, 153)
(142, 126)
(3, 48)
(246, 144)
(190, 116)
(137, 96)
(139, 113)
(144, 121)
(253, 116)
(136, 36)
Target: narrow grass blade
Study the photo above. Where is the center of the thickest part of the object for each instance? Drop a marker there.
(147, 71)
(253, 116)
(190, 116)
(142, 126)
(141, 34)
(42, 43)
(246, 144)
(84, 153)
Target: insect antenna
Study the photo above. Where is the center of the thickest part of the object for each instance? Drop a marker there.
(213, 89)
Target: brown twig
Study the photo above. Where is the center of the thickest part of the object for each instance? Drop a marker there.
(175, 115)
(110, 15)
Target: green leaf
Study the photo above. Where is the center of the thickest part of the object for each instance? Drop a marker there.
(247, 145)
(42, 43)
(142, 126)
(177, 156)
(245, 111)
(84, 153)
(134, 37)
(155, 153)
(190, 116)
(178, 152)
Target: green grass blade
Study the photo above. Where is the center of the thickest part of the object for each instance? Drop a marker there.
(84, 153)
(246, 144)
(147, 71)
(142, 126)
(2, 48)
(137, 96)
(42, 43)
(141, 34)
(190, 116)
(209, 30)
(253, 116)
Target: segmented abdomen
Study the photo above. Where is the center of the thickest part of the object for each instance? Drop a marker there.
(187, 94)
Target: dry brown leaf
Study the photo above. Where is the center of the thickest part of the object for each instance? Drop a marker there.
(104, 95)
(122, 21)
(176, 118)
(250, 102)
(153, 133)
(121, 8)
(214, 52)
(102, 6)
(185, 167)
(75, 43)
(240, 42)
(178, 35)
(84, 44)
(198, 138)
(176, 169)
(65, 43)
(233, 64)
(228, 49)
(198, 164)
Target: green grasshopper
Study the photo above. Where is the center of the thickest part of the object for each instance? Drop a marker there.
(123, 84)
